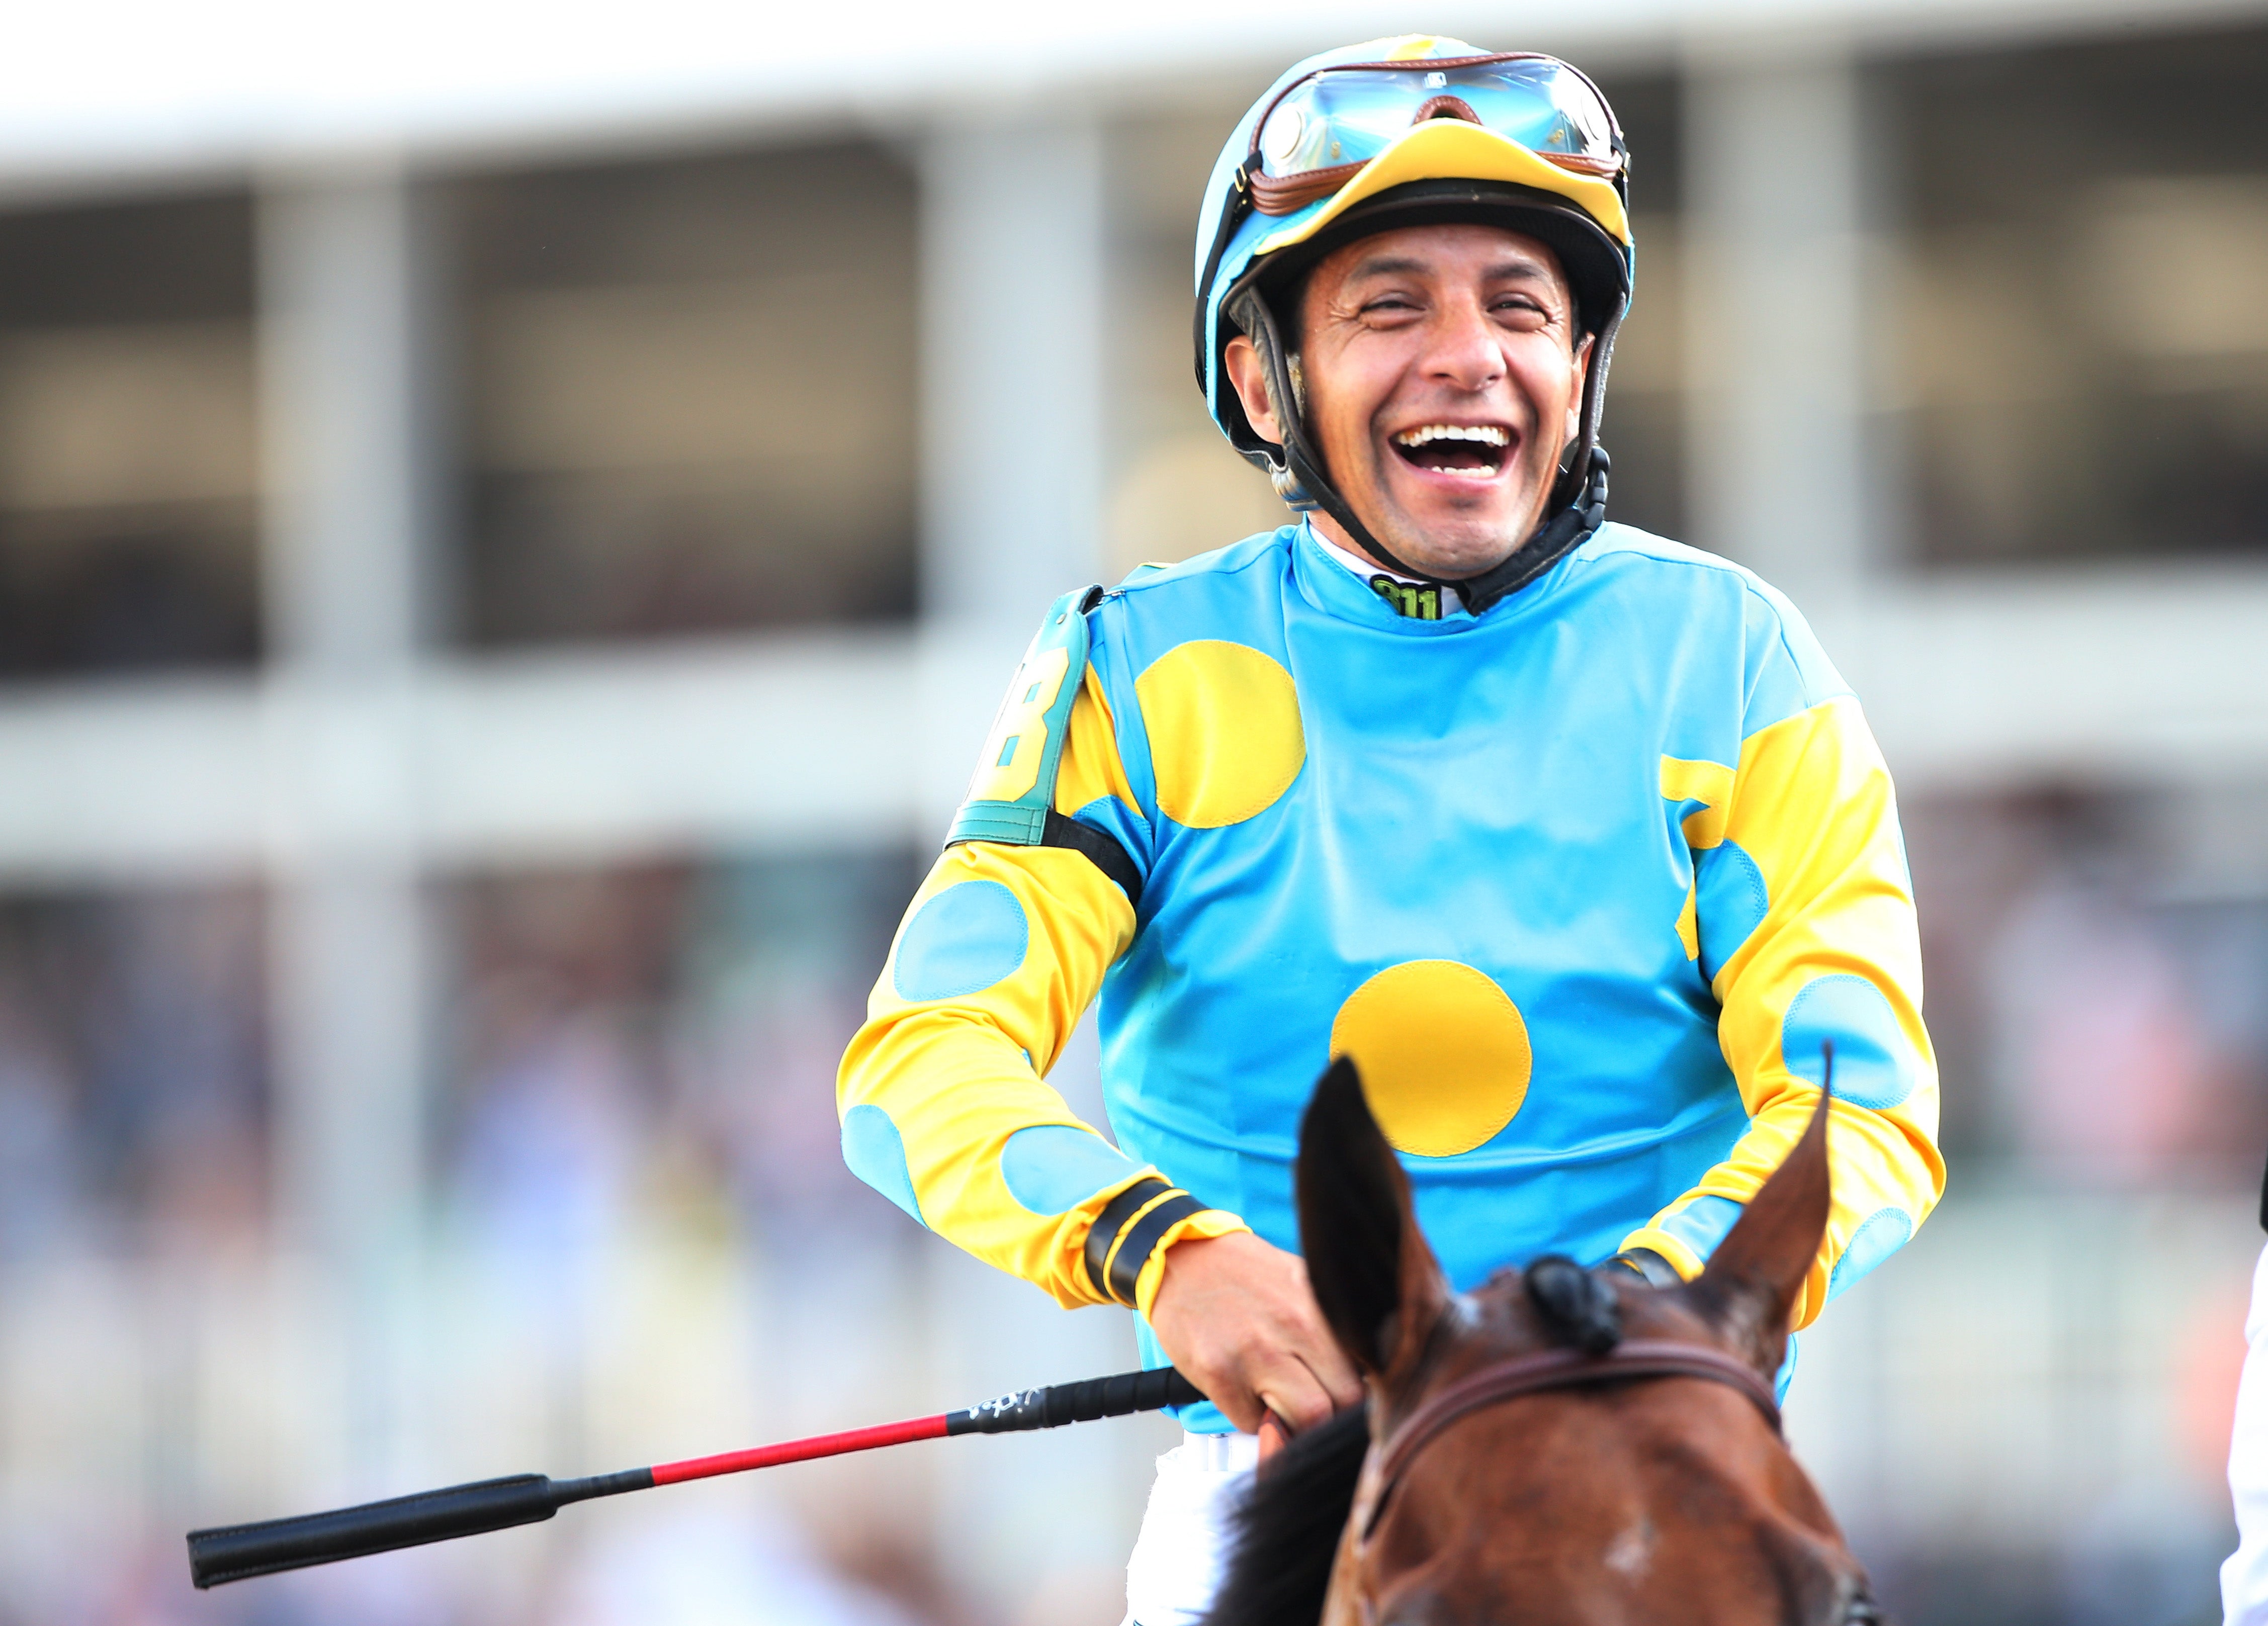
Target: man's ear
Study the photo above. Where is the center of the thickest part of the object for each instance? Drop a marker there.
(1378, 1283)
(1250, 376)
(1750, 1283)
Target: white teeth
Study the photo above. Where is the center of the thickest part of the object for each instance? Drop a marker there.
(1485, 434)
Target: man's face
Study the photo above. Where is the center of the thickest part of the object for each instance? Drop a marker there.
(1443, 380)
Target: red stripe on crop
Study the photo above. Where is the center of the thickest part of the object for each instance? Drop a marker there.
(802, 1450)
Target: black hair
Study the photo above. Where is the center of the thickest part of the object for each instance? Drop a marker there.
(1285, 1529)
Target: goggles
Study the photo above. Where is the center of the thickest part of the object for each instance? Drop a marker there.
(1321, 129)
(1512, 115)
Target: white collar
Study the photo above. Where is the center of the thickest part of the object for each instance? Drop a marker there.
(1362, 568)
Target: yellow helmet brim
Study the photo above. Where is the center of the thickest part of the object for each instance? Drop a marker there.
(1453, 150)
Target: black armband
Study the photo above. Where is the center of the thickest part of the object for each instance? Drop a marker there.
(1100, 848)
(1127, 1232)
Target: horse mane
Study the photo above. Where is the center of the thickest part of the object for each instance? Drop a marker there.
(1285, 1529)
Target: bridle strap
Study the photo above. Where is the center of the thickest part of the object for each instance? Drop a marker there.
(1563, 1369)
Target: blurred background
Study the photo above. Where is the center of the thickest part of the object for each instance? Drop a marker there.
(513, 520)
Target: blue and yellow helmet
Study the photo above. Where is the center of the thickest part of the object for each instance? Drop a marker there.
(1409, 131)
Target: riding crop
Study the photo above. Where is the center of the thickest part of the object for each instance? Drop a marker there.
(236, 1552)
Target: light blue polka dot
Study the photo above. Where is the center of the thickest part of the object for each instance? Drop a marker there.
(876, 1153)
(1050, 1167)
(966, 939)
(1704, 1224)
(1879, 1235)
(1730, 900)
(1874, 1066)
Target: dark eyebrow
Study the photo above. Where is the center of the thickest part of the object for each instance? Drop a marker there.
(1401, 265)
(1388, 265)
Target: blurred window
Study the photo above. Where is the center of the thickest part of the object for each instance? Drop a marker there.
(128, 456)
(691, 394)
(2084, 352)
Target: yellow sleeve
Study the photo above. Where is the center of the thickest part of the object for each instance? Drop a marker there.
(1803, 918)
(942, 1095)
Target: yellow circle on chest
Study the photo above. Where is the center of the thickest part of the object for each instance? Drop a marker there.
(1443, 1053)
(1225, 737)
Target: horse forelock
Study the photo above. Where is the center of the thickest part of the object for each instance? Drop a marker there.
(1573, 1306)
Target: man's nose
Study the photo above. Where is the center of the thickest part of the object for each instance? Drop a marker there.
(1464, 351)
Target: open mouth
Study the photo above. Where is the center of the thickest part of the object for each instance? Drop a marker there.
(1469, 451)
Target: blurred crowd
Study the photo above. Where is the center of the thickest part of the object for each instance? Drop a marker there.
(640, 1228)
(634, 1120)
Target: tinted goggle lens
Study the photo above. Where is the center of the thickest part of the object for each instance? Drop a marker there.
(1349, 116)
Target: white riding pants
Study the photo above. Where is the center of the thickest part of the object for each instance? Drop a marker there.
(1176, 1567)
(2244, 1576)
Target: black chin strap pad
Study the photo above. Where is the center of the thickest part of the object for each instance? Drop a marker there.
(1564, 530)
(1578, 474)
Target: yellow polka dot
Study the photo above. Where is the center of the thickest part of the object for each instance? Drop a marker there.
(1709, 783)
(1224, 735)
(1443, 1053)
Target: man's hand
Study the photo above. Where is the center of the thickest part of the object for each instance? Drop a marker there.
(1237, 1317)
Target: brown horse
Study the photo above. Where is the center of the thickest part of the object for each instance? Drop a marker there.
(1561, 1447)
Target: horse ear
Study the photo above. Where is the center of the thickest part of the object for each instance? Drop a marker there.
(1378, 1283)
(1750, 1283)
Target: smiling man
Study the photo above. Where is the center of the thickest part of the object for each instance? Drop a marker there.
(1569, 836)
(1444, 368)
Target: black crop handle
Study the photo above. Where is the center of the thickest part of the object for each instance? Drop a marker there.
(233, 1552)
(1119, 1396)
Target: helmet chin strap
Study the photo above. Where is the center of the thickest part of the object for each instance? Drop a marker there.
(1575, 520)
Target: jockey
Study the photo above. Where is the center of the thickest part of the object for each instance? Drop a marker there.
(1569, 836)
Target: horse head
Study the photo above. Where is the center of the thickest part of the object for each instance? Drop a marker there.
(1559, 1447)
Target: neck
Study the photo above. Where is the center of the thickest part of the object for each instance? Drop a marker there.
(1337, 535)
(1332, 531)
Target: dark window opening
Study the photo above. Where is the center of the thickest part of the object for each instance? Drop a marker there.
(128, 438)
(691, 395)
(2083, 343)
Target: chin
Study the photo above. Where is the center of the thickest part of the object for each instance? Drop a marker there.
(1449, 533)
(1455, 546)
